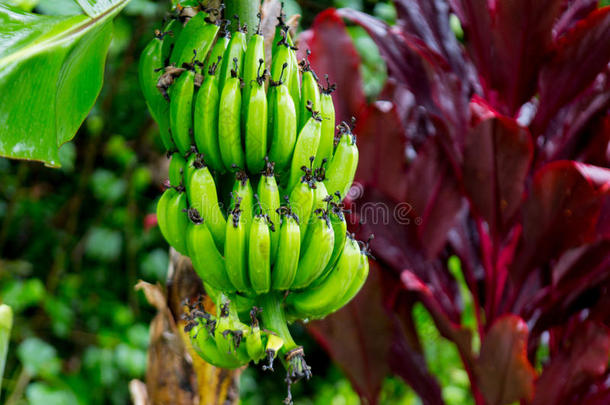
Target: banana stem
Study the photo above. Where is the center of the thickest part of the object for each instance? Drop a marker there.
(274, 319)
(246, 10)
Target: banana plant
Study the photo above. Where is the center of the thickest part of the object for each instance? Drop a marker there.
(51, 72)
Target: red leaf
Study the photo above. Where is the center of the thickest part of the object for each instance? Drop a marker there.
(584, 356)
(586, 43)
(560, 212)
(508, 44)
(382, 153)
(433, 195)
(497, 156)
(503, 373)
(359, 337)
(577, 10)
(333, 53)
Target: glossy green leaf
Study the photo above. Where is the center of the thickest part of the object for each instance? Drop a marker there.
(51, 72)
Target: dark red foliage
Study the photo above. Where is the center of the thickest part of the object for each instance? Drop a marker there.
(496, 151)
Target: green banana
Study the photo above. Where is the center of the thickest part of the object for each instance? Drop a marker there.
(229, 132)
(337, 220)
(284, 51)
(234, 56)
(171, 32)
(316, 251)
(236, 248)
(197, 36)
(172, 218)
(202, 196)
(342, 169)
(205, 345)
(242, 190)
(287, 261)
(177, 165)
(317, 302)
(151, 62)
(219, 48)
(207, 260)
(256, 121)
(181, 109)
(355, 284)
(205, 125)
(254, 340)
(306, 147)
(327, 138)
(253, 67)
(269, 200)
(259, 258)
(301, 200)
(310, 93)
(282, 124)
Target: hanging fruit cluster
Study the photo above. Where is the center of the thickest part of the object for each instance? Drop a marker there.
(256, 179)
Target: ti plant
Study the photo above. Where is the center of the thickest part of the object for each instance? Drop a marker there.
(257, 177)
(494, 150)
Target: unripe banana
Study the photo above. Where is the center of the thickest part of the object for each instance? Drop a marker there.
(289, 247)
(310, 93)
(242, 190)
(341, 170)
(327, 138)
(317, 302)
(229, 128)
(197, 37)
(301, 200)
(181, 110)
(284, 51)
(355, 284)
(254, 342)
(236, 249)
(202, 195)
(234, 55)
(253, 70)
(256, 121)
(269, 199)
(172, 218)
(282, 124)
(337, 220)
(205, 129)
(171, 33)
(305, 148)
(259, 255)
(218, 50)
(151, 61)
(207, 260)
(177, 166)
(316, 251)
(205, 345)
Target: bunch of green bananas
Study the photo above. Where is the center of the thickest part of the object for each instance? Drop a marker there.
(256, 179)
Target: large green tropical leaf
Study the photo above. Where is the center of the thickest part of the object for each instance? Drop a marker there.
(51, 72)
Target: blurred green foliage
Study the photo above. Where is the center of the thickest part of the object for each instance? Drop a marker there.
(74, 241)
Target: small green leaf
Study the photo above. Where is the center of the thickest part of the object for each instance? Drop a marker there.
(39, 357)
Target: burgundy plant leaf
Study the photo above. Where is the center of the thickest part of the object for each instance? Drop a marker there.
(597, 150)
(449, 329)
(359, 337)
(560, 212)
(439, 92)
(508, 44)
(329, 42)
(583, 355)
(576, 11)
(586, 43)
(497, 157)
(504, 374)
(429, 21)
(434, 196)
(565, 134)
(576, 283)
(522, 36)
(598, 398)
(382, 144)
